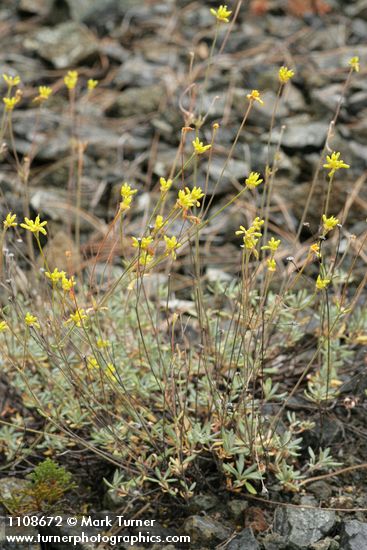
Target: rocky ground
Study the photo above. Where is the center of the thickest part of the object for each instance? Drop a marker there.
(140, 52)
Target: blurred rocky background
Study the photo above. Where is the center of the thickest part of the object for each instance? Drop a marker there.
(131, 125)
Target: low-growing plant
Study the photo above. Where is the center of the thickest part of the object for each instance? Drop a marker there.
(179, 393)
(48, 484)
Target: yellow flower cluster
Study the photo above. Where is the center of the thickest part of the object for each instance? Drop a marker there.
(77, 317)
(221, 14)
(92, 84)
(158, 224)
(199, 147)
(251, 235)
(171, 246)
(71, 79)
(35, 226)
(55, 276)
(3, 326)
(102, 343)
(10, 221)
(322, 284)
(127, 194)
(31, 320)
(143, 243)
(334, 163)
(44, 93)
(273, 246)
(285, 75)
(11, 80)
(11, 102)
(253, 180)
(315, 249)
(354, 63)
(255, 96)
(165, 185)
(188, 198)
(329, 223)
(109, 370)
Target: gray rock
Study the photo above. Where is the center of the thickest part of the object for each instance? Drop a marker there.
(64, 45)
(236, 507)
(39, 7)
(274, 541)
(137, 101)
(236, 170)
(326, 99)
(200, 503)
(354, 535)
(321, 489)
(245, 540)
(8, 485)
(137, 72)
(91, 11)
(358, 9)
(303, 526)
(205, 530)
(301, 133)
(6, 530)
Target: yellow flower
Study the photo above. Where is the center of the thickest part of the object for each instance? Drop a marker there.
(102, 343)
(184, 199)
(92, 84)
(171, 245)
(127, 194)
(126, 191)
(272, 245)
(67, 284)
(253, 180)
(257, 223)
(77, 317)
(55, 276)
(3, 326)
(222, 13)
(44, 93)
(165, 184)
(92, 363)
(11, 102)
(10, 221)
(196, 194)
(125, 204)
(142, 243)
(255, 96)
(158, 224)
(187, 199)
(285, 74)
(199, 147)
(334, 163)
(329, 223)
(11, 80)
(35, 226)
(145, 258)
(354, 63)
(71, 79)
(271, 264)
(315, 248)
(31, 320)
(251, 235)
(321, 283)
(110, 372)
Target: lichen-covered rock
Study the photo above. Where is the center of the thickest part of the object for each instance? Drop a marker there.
(245, 540)
(302, 526)
(205, 530)
(354, 535)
